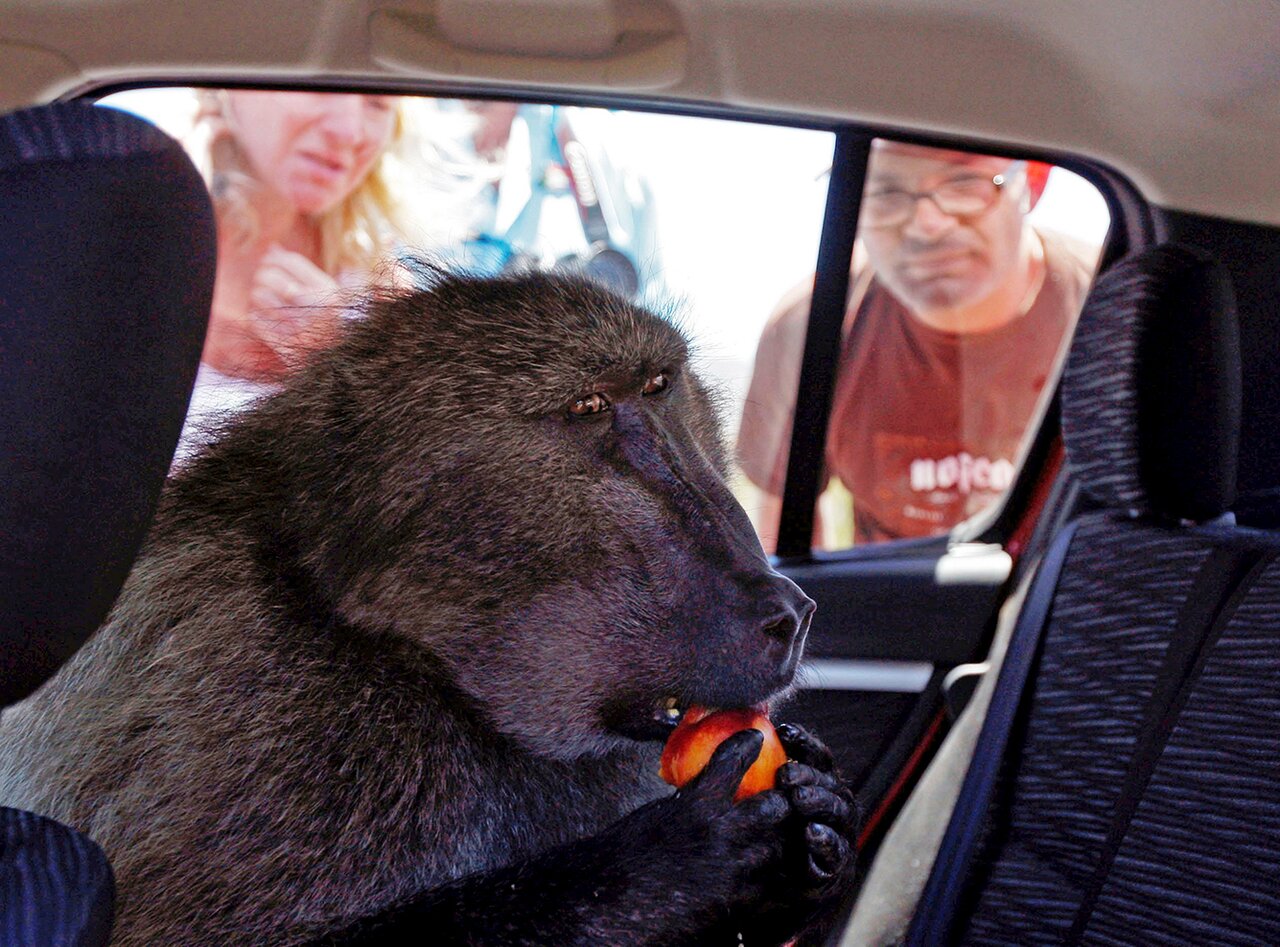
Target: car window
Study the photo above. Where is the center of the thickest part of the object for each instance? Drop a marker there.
(968, 273)
(703, 218)
(966, 277)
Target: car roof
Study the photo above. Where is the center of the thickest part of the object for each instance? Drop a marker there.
(1181, 96)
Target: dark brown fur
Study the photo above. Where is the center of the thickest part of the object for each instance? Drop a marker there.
(407, 622)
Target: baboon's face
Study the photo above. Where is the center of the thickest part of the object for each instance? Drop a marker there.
(551, 518)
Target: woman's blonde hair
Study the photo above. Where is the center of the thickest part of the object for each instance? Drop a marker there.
(357, 233)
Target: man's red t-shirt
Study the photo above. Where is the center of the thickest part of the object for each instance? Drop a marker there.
(926, 426)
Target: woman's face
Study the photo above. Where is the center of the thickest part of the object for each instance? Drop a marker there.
(311, 148)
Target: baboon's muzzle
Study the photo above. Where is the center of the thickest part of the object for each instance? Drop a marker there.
(754, 619)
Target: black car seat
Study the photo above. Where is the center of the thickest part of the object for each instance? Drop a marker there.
(107, 253)
(1125, 787)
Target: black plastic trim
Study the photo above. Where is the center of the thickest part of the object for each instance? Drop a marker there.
(1251, 254)
(822, 343)
(894, 609)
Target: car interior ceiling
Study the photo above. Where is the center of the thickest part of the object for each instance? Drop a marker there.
(1136, 480)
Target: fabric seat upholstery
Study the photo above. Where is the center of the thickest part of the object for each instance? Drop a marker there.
(1087, 719)
(107, 252)
(1138, 799)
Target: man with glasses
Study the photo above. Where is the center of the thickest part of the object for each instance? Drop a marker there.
(955, 322)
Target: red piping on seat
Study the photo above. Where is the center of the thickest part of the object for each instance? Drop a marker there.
(904, 777)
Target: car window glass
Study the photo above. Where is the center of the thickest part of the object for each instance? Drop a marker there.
(706, 219)
(967, 277)
(967, 274)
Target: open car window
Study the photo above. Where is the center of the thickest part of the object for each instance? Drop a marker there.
(704, 219)
(967, 275)
(966, 278)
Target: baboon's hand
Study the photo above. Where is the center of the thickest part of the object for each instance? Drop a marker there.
(668, 874)
(819, 840)
(689, 869)
(701, 848)
(803, 747)
(824, 805)
(768, 864)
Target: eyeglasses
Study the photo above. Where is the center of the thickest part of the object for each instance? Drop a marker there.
(969, 196)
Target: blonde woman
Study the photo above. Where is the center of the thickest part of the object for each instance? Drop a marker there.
(305, 211)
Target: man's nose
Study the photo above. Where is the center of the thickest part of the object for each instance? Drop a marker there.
(928, 220)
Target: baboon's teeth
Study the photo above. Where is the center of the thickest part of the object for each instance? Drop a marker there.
(669, 711)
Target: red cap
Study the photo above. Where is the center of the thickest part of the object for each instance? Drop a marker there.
(1037, 178)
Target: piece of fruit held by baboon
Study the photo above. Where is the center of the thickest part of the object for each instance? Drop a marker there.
(701, 730)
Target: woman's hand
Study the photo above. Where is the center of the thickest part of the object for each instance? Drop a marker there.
(294, 306)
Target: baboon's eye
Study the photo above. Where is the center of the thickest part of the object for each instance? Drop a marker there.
(593, 403)
(656, 384)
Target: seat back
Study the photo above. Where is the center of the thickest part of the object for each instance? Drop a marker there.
(1135, 802)
(107, 253)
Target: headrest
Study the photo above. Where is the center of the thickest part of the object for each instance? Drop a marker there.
(1151, 395)
(107, 253)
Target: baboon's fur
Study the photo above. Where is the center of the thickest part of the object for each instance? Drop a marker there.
(399, 624)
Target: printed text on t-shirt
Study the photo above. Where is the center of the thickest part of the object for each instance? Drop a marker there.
(961, 472)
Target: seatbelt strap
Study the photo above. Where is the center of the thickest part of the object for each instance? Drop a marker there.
(1224, 580)
(937, 905)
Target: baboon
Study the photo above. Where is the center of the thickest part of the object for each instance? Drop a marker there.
(402, 647)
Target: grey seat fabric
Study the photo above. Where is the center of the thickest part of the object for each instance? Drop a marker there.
(56, 886)
(107, 253)
(1200, 861)
(1139, 802)
(1102, 670)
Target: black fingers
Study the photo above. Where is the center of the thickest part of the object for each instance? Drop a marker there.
(728, 764)
(817, 805)
(828, 852)
(825, 807)
(800, 774)
(803, 747)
